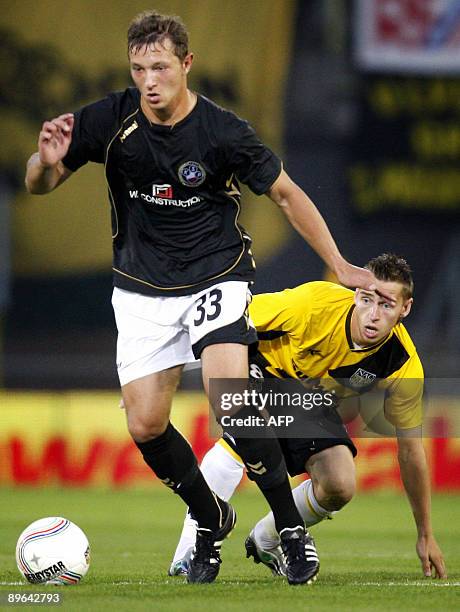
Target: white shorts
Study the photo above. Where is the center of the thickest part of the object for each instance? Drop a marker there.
(156, 333)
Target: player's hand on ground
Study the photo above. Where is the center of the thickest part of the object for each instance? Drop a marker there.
(54, 139)
(431, 558)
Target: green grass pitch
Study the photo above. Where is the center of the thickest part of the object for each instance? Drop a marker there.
(367, 553)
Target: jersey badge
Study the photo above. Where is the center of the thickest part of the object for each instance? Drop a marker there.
(191, 174)
(361, 378)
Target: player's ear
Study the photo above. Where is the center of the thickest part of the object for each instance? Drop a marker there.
(406, 308)
(187, 63)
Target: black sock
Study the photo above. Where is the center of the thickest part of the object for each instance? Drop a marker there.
(171, 458)
(265, 465)
(280, 499)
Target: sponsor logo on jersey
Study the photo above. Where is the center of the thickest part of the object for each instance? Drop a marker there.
(163, 195)
(191, 174)
(361, 378)
(129, 130)
(163, 191)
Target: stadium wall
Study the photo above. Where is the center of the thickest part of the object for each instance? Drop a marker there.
(80, 439)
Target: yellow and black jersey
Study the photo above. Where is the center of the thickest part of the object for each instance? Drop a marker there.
(305, 333)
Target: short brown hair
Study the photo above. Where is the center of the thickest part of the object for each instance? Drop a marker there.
(390, 267)
(150, 27)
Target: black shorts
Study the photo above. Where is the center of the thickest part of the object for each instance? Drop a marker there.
(297, 451)
(238, 332)
(324, 430)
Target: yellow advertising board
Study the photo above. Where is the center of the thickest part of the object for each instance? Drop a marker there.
(80, 438)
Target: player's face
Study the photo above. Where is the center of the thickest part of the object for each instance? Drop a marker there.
(161, 77)
(374, 317)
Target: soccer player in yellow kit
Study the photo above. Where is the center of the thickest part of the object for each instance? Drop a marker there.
(353, 342)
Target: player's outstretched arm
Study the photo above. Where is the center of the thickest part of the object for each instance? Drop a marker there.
(45, 170)
(307, 220)
(416, 480)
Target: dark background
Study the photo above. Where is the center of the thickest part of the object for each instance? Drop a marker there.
(59, 332)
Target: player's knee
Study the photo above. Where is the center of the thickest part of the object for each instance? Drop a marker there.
(142, 430)
(338, 491)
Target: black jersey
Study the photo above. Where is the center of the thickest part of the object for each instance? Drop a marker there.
(174, 191)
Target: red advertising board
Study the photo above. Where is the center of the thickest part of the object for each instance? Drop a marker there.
(80, 439)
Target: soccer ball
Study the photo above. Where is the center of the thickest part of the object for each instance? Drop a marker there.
(53, 550)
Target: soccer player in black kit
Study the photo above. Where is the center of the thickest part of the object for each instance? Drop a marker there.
(182, 265)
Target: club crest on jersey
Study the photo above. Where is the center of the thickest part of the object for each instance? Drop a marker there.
(191, 174)
(362, 378)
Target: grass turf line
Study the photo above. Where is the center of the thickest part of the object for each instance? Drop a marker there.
(368, 560)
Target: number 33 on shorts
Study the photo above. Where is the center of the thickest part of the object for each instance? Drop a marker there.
(209, 306)
(217, 307)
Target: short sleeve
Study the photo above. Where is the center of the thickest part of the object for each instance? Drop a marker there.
(254, 164)
(91, 132)
(287, 310)
(404, 397)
